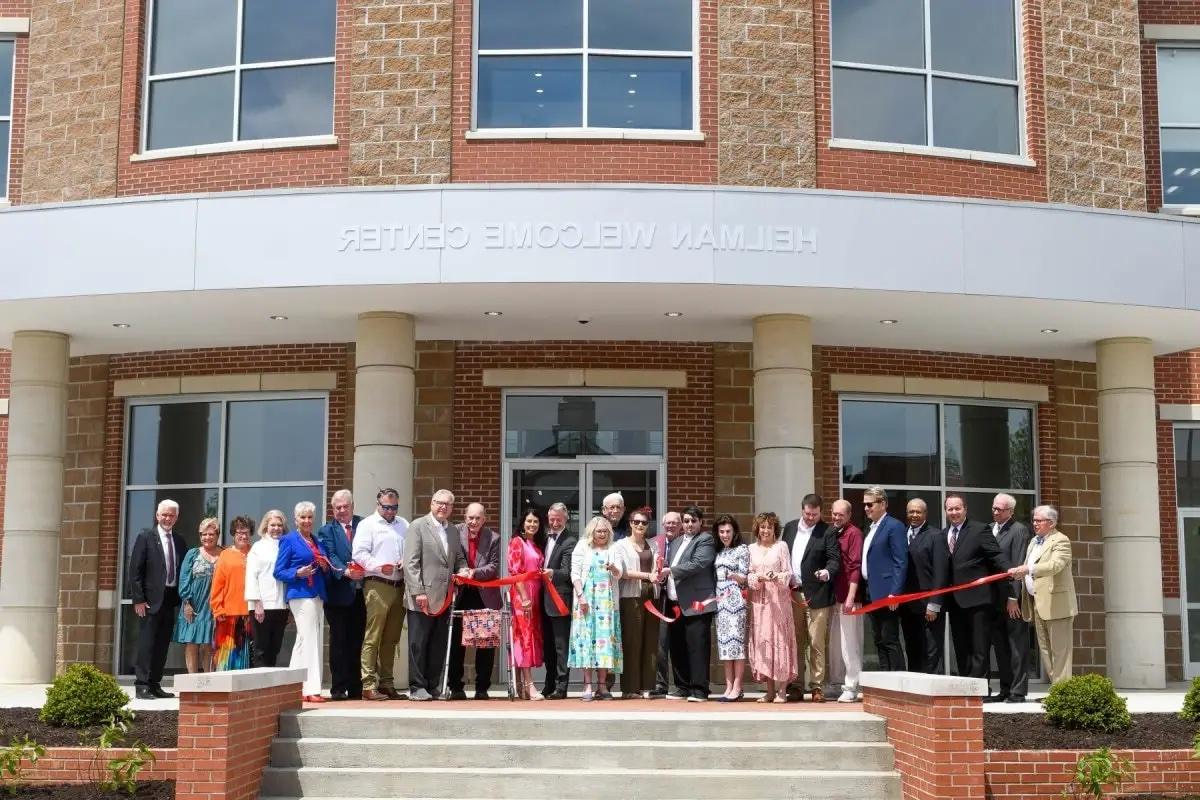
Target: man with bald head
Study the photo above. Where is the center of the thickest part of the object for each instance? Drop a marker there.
(846, 631)
(672, 526)
(922, 621)
(482, 547)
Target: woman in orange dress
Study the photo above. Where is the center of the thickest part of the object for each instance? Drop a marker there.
(232, 635)
(525, 555)
(772, 631)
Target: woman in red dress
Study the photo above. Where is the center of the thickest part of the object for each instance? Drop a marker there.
(525, 555)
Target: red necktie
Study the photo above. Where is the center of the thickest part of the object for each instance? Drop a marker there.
(349, 535)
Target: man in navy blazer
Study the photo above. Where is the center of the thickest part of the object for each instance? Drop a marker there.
(345, 608)
(884, 568)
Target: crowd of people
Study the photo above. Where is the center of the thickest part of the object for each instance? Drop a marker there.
(613, 601)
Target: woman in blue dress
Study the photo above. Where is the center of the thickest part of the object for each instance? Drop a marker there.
(194, 625)
(732, 566)
(595, 621)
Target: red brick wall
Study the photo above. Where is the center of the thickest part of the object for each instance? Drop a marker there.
(20, 100)
(79, 765)
(588, 159)
(1039, 774)
(1157, 12)
(869, 170)
(214, 361)
(477, 423)
(259, 169)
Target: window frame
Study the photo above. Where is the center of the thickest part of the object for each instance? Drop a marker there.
(1021, 157)
(1159, 46)
(584, 131)
(220, 485)
(236, 69)
(1183, 512)
(8, 117)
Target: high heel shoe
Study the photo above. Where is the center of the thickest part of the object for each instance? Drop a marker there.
(532, 693)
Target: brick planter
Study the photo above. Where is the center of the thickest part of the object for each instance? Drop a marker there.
(1037, 774)
(81, 765)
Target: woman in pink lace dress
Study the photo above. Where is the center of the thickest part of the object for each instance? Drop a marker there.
(525, 555)
(772, 632)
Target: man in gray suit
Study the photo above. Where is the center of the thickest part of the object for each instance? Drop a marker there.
(481, 545)
(689, 578)
(1010, 633)
(432, 555)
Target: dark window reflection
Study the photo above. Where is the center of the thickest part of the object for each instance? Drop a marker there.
(6, 73)
(639, 25)
(885, 32)
(538, 489)
(286, 101)
(190, 111)
(530, 92)
(193, 34)
(284, 30)
(890, 443)
(975, 116)
(256, 501)
(1187, 469)
(552, 426)
(174, 443)
(639, 487)
(275, 440)
(4, 127)
(140, 505)
(626, 92)
(1181, 166)
(878, 106)
(973, 38)
(529, 24)
(989, 446)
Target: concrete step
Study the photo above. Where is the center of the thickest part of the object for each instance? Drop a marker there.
(510, 724)
(567, 754)
(579, 783)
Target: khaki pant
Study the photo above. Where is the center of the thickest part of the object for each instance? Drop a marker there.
(1056, 642)
(385, 624)
(812, 636)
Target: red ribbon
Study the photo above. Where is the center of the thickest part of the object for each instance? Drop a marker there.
(649, 606)
(500, 582)
(700, 605)
(897, 599)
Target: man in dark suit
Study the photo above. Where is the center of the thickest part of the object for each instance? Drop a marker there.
(1010, 632)
(816, 558)
(973, 554)
(884, 567)
(664, 671)
(689, 578)
(482, 547)
(345, 607)
(556, 627)
(922, 621)
(154, 585)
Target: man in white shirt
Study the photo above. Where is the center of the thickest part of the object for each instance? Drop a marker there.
(154, 583)
(378, 549)
(556, 627)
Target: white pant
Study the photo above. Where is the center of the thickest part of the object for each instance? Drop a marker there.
(309, 614)
(845, 649)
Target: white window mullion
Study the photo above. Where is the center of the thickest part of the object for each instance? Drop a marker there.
(928, 79)
(584, 66)
(237, 74)
(145, 105)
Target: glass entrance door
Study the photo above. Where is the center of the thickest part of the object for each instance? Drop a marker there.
(1189, 536)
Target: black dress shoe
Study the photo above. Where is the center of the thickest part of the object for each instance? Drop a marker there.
(558, 695)
(1015, 698)
(393, 694)
(482, 696)
(339, 696)
(145, 694)
(160, 693)
(657, 693)
(456, 694)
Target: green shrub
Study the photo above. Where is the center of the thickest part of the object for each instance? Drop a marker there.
(1191, 703)
(82, 696)
(1087, 702)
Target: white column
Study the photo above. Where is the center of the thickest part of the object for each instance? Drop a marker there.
(783, 413)
(1133, 601)
(384, 397)
(33, 506)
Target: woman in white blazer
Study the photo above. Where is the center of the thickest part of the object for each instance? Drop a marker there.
(264, 594)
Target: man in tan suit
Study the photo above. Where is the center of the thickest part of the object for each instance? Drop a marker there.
(432, 554)
(1048, 592)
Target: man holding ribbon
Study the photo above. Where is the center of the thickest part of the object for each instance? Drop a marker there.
(884, 567)
(556, 625)
(1048, 596)
(482, 547)
(345, 609)
(974, 554)
(378, 549)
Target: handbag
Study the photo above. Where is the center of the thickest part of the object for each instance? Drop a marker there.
(481, 628)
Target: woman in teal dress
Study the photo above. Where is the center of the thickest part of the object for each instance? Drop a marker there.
(194, 626)
(595, 620)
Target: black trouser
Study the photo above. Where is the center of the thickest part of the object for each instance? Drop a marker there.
(923, 640)
(268, 636)
(1010, 638)
(154, 637)
(665, 669)
(556, 642)
(970, 630)
(485, 657)
(426, 650)
(690, 642)
(347, 627)
(885, 629)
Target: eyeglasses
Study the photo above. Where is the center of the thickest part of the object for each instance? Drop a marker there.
(1040, 519)
(641, 523)
(438, 503)
(384, 507)
(998, 509)
(690, 521)
(869, 503)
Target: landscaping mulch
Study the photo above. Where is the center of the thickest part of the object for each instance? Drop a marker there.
(153, 728)
(1032, 732)
(150, 790)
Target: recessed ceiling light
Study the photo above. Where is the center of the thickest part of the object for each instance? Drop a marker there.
(540, 91)
(278, 317)
(537, 74)
(889, 321)
(633, 74)
(120, 324)
(1049, 330)
(673, 314)
(493, 313)
(633, 91)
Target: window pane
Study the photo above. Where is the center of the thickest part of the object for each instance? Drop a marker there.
(1181, 166)
(552, 426)
(878, 106)
(282, 30)
(640, 92)
(526, 24)
(975, 116)
(1178, 77)
(1191, 566)
(6, 77)
(254, 502)
(886, 32)
(890, 443)
(640, 25)
(173, 443)
(4, 159)
(286, 101)
(140, 505)
(1187, 474)
(989, 446)
(271, 441)
(190, 111)
(530, 92)
(538, 489)
(973, 38)
(193, 34)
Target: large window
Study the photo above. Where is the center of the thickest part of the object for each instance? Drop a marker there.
(570, 426)
(7, 54)
(943, 73)
(238, 70)
(927, 448)
(1179, 123)
(585, 64)
(217, 458)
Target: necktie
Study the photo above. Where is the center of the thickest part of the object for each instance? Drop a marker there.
(170, 558)
(953, 538)
(912, 534)
(349, 535)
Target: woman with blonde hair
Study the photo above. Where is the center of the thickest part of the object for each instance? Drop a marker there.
(194, 626)
(595, 626)
(772, 631)
(264, 594)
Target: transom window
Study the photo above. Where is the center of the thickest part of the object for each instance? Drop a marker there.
(238, 70)
(943, 73)
(575, 425)
(585, 64)
(1179, 123)
(7, 54)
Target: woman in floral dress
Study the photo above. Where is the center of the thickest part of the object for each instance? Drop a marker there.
(772, 632)
(525, 555)
(732, 566)
(595, 623)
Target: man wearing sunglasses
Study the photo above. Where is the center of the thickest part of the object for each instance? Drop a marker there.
(378, 545)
